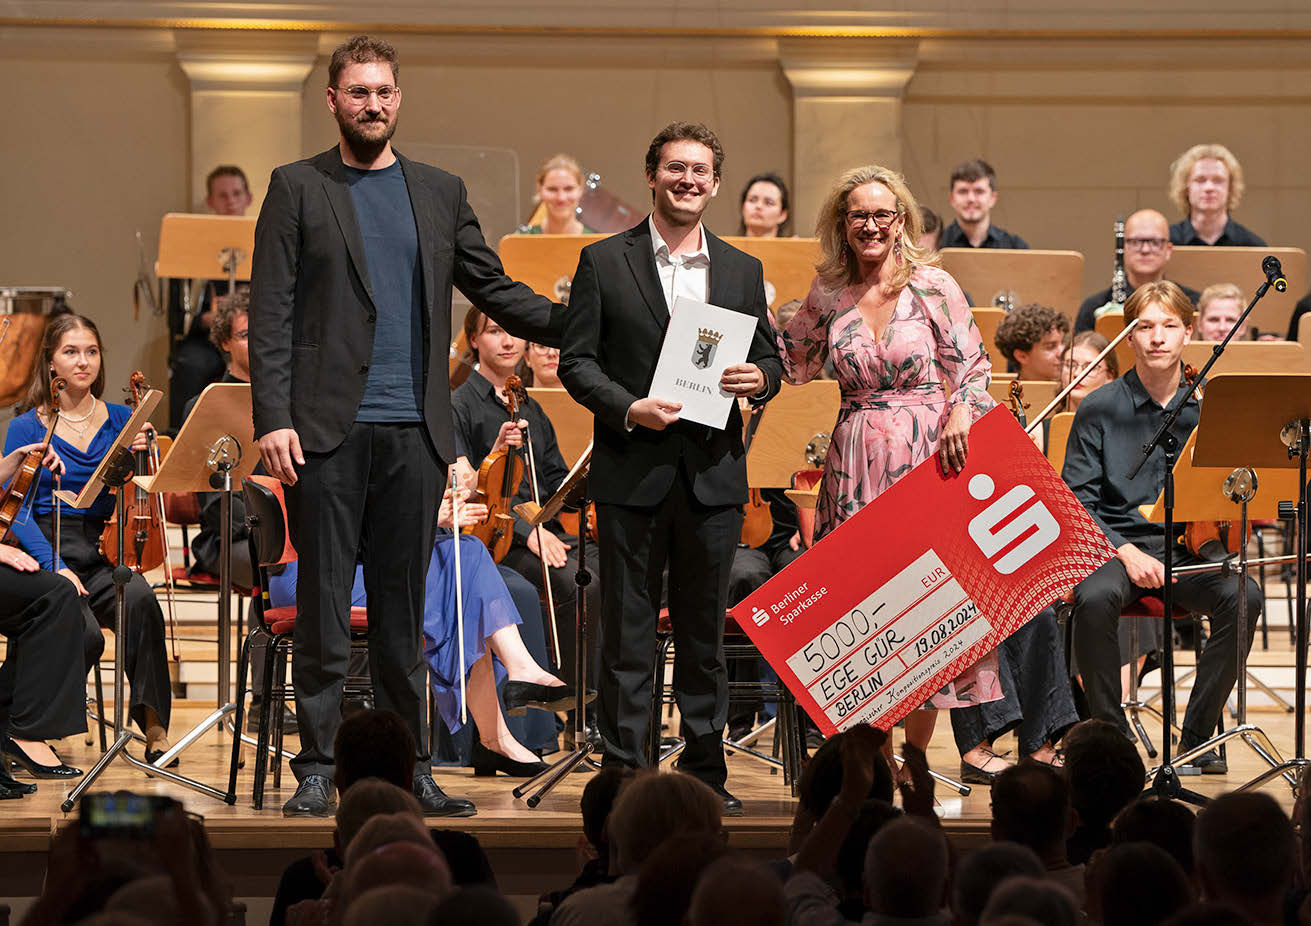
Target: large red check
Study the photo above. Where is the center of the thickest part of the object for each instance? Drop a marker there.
(924, 581)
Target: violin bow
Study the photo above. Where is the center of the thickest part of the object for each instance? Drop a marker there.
(459, 590)
(153, 452)
(537, 529)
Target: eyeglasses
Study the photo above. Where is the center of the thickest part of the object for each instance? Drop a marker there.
(679, 169)
(882, 219)
(543, 349)
(360, 95)
(1146, 244)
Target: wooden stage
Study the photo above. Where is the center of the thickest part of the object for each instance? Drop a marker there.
(532, 850)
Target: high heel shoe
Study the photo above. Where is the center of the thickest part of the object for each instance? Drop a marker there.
(487, 762)
(14, 753)
(519, 696)
(11, 789)
(153, 756)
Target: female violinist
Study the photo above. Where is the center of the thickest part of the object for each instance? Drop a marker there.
(41, 620)
(85, 431)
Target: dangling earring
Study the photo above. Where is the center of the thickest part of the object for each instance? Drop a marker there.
(896, 250)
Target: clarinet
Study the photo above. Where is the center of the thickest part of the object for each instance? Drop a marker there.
(1119, 282)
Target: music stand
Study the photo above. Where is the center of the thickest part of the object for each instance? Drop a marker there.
(572, 422)
(1198, 266)
(1274, 431)
(788, 263)
(1009, 278)
(212, 452)
(1204, 493)
(571, 494)
(115, 471)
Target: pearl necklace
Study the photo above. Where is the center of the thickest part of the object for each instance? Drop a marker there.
(73, 422)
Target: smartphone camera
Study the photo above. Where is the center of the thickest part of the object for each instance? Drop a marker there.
(121, 814)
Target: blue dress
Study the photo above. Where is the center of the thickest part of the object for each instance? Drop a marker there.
(488, 607)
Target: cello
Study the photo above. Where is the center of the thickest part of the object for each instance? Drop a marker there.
(18, 493)
(499, 476)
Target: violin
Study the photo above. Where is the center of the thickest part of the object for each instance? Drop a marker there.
(18, 493)
(1018, 405)
(1210, 539)
(143, 517)
(757, 521)
(498, 481)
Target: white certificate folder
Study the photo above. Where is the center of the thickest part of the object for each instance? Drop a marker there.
(701, 342)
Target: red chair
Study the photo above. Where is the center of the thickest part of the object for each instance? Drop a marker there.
(270, 546)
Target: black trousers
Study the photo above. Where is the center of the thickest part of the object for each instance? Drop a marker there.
(1036, 696)
(145, 658)
(42, 686)
(565, 592)
(374, 495)
(751, 569)
(1098, 601)
(697, 543)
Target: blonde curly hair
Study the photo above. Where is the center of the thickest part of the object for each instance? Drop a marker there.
(838, 266)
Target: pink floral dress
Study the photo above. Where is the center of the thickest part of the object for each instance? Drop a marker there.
(897, 392)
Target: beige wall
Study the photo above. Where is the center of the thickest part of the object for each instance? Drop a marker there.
(1081, 129)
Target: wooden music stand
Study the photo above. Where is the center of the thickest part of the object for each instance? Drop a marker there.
(1231, 399)
(193, 246)
(572, 422)
(793, 419)
(1038, 393)
(1198, 489)
(91, 491)
(989, 320)
(1199, 266)
(217, 439)
(546, 263)
(1058, 438)
(1052, 278)
(789, 265)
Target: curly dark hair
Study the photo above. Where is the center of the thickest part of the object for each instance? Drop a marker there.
(1026, 326)
(226, 311)
(684, 131)
(362, 49)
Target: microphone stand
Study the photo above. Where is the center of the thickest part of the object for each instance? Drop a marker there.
(1165, 783)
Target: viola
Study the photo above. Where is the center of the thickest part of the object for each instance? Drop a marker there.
(18, 494)
(498, 481)
(143, 516)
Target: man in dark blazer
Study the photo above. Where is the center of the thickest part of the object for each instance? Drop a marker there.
(667, 492)
(356, 251)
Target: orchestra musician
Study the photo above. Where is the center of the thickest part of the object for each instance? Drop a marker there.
(195, 362)
(973, 196)
(560, 185)
(666, 491)
(356, 251)
(481, 427)
(86, 430)
(910, 361)
(766, 210)
(543, 366)
(41, 696)
(1109, 430)
(1031, 339)
(1206, 184)
(1147, 252)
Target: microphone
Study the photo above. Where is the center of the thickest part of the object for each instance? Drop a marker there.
(1274, 274)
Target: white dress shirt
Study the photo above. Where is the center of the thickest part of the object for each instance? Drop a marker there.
(686, 275)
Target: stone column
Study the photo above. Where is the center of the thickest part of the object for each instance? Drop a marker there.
(846, 110)
(246, 103)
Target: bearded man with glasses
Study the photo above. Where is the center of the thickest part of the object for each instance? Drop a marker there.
(1147, 251)
(356, 251)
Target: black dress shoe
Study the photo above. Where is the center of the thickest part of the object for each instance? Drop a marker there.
(313, 798)
(154, 755)
(519, 696)
(1209, 763)
(435, 803)
(289, 723)
(973, 775)
(732, 806)
(11, 789)
(14, 753)
(487, 762)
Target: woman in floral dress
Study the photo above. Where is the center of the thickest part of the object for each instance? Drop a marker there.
(911, 364)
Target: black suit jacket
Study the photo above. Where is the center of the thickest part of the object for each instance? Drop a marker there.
(613, 330)
(312, 314)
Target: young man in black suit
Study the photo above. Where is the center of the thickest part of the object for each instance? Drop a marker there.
(666, 491)
(356, 251)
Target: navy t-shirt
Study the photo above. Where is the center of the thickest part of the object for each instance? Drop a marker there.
(394, 391)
